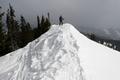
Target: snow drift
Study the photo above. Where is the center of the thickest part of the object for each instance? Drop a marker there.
(61, 54)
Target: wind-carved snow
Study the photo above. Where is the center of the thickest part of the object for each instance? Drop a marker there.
(62, 53)
(50, 57)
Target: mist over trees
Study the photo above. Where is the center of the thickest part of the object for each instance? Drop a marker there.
(17, 33)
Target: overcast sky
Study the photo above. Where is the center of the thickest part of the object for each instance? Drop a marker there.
(90, 13)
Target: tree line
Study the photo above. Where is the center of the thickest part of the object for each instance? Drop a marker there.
(15, 34)
(114, 44)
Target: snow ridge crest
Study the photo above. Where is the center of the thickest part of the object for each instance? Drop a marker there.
(53, 56)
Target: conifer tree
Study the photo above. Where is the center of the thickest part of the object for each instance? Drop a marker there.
(92, 36)
(13, 28)
(26, 34)
(38, 22)
(48, 20)
(25, 26)
(28, 26)
(1, 26)
(42, 21)
(42, 24)
(48, 16)
(47, 25)
(2, 36)
(37, 30)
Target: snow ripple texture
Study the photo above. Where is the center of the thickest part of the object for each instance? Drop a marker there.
(53, 56)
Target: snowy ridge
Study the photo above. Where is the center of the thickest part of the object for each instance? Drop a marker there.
(49, 57)
(62, 53)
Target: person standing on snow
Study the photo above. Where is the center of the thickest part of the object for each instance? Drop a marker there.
(61, 20)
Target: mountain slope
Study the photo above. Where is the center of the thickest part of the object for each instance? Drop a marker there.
(61, 54)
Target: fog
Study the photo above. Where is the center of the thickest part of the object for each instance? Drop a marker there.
(88, 13)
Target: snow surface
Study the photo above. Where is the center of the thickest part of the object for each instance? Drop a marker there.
(62, 53)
